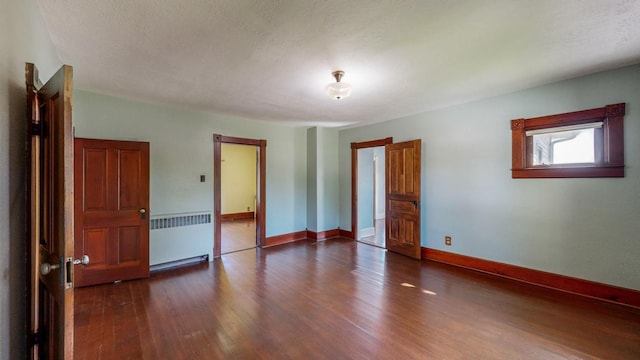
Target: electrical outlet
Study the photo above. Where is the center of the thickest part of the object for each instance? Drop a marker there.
(447, 240)
(248, 208)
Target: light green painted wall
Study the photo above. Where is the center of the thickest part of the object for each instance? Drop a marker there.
(586, 228)
(23, 38)
(328, 190)
(312, 179)
(365, 190)
(181, 143)
(238, 178)
(322, 174)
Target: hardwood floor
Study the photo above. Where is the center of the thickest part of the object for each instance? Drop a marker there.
(236, 235)
(341, 299)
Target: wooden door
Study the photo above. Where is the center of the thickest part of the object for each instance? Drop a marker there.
(111, 210)
(50, 216)
(403, 197)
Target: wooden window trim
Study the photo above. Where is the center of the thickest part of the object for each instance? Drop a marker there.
(609, 144)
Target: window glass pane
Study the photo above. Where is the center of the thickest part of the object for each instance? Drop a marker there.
(564, 147)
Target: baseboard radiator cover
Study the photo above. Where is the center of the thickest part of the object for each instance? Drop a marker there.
(178, 220)
(179, 263)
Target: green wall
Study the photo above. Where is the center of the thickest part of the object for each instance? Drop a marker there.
(181, 143)
(23, 38)
(586, 228)
(322, 175)
(365, 191)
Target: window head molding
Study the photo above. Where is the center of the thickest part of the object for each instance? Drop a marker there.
(605, 141)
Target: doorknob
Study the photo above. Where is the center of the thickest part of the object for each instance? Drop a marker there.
(143, 212)
(84, 260)
(45, 268)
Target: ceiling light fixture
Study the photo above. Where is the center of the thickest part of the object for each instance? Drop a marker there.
(338, 90)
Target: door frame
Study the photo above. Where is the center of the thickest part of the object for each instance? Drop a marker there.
(355, 146)
(261, 166)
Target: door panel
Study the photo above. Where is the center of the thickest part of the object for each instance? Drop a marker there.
(112, 186)
(130, 194)
(129, 245)
(51, 214)
(95, 243)
(95, 181)
(403, 197)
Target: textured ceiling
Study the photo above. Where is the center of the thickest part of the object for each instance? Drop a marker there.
(271, 59)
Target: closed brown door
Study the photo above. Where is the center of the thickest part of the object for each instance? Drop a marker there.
(51, 214)
(111, 210)
(403, 197)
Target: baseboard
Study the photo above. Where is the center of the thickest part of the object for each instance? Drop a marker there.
(346, 234)
(306, 234)
(237, 216)
(285, 238)
(588, 288)
(323, 235)
(366, 232)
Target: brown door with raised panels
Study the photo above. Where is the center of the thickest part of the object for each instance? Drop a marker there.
(403, 197)
(50, 219)
(111, 210)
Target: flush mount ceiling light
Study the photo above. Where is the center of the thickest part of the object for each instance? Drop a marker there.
(338, 90)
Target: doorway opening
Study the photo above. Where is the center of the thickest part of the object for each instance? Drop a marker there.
(368, 192)
(247, 227)
(238, 197)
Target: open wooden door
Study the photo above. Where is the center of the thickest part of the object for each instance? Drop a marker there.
(111, 210)
(51, 214)
(403, 168)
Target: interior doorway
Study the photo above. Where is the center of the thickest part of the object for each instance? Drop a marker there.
(258, 230)
(368, 191)
(371, 196)
(238, 197)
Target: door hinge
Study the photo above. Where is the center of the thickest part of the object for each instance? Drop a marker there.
(36, 129)
(34, 338)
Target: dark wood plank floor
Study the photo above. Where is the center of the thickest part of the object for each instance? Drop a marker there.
(341, 299)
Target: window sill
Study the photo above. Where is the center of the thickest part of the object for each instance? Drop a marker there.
(568, 172)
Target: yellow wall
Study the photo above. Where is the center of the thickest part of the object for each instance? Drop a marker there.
(238, 178)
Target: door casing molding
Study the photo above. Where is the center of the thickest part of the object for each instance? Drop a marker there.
(261, 165)
(354, 177)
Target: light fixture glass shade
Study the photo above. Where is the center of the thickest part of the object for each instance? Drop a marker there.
(338, 90)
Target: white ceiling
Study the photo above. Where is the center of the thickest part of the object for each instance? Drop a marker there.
(271, 59)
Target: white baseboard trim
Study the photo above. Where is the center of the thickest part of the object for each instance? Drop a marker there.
(366, 232)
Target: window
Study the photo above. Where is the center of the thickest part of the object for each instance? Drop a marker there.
(585, 143)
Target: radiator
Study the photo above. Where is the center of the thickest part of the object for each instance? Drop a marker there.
(177, 220)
